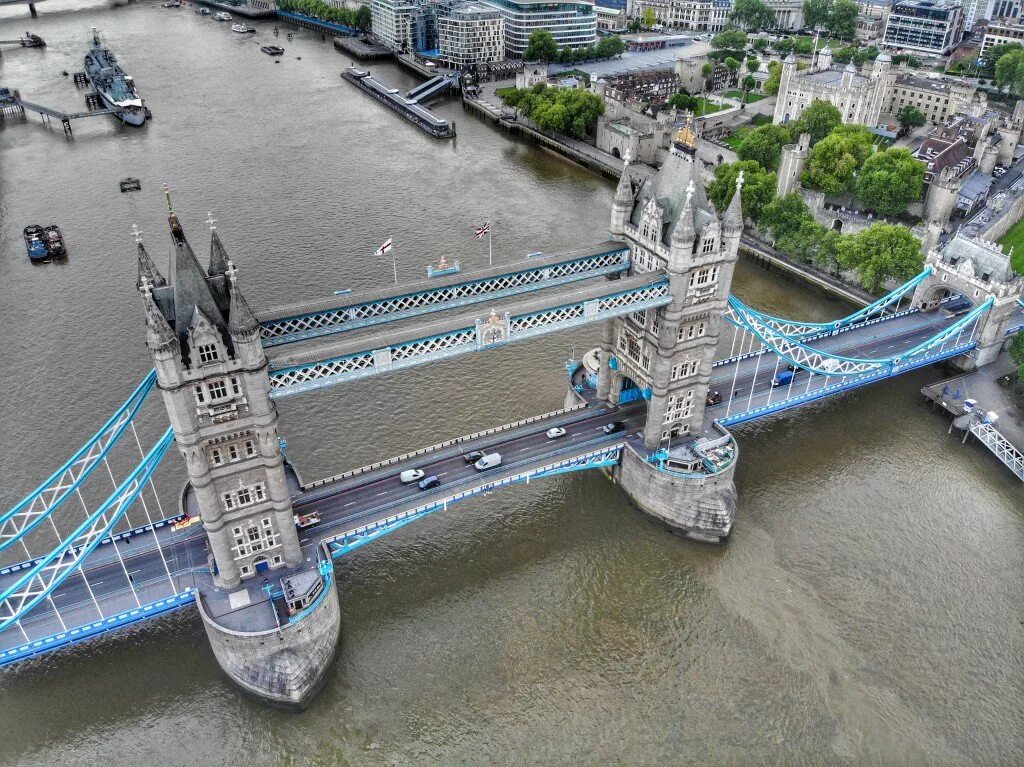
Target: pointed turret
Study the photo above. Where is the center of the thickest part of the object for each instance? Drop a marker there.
(159, 336)
(624, 191)
(684, 233)
(148, 270)
(218, 256)
(732, 222)
(241, 320)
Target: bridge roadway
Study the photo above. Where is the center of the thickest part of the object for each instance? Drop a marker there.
(376, 495)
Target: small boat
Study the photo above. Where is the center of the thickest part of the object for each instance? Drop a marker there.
(171, 4)
(240, 28)
(203, 11)
(222, 16)
(273, 50)
(32, 41)
(35, 245)
(54, 242)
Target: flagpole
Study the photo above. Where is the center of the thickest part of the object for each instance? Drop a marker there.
(394, 263)
(490, 253)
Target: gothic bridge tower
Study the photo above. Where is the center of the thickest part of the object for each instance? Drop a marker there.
(669, 224)
(212, 372)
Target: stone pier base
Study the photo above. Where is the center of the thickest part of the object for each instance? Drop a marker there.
(283, 667)
(702, 507)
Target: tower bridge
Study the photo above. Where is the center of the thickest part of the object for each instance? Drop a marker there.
(680, 361)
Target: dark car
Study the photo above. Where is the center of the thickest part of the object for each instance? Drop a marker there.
(714, 398)
(473, 457)
(614, 426)
(428, 483)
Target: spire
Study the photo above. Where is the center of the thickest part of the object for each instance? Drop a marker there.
(732, 223)
(190, 285)
(218, 256)
(159, 336)
(684, 231)
(624, 191)
(147, 268)
(241, 320)
(172, 217)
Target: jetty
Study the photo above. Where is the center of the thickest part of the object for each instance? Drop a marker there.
(408, 106)
(12, 104)
(361, 49)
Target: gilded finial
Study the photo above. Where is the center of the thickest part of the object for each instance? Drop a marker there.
(167, 194)
(686, 136)
(231, 272)
(211, 220)
(137, 233)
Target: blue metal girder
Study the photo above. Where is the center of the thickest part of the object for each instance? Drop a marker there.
(318, 374)
(844, 384)
(524, 278)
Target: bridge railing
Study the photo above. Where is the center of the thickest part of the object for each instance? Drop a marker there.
(442, 445)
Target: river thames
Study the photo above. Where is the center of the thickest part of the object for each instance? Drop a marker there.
(868, 609)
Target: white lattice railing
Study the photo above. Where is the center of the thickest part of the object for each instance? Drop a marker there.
(1003, 449)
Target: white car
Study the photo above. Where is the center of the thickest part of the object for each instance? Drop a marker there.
(556, 432)
(411, 475)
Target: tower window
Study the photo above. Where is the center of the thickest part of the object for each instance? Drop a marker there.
(208, 353)
(250, 448)
(708, 246)
(703, 277)
(217, 389)
(216, 456)
(200, 394)
(236, 388)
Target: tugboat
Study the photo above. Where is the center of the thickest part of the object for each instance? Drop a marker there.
(54, 242)
(203, 11)
(240, 28)
(273, 50)
(114, 86)
(32, 41)
(35, 245)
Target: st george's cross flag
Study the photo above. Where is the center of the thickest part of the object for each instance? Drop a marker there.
(386, 247)
(483, 230)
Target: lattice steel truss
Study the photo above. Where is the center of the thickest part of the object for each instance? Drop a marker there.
(38, 582)
(66, 481)
(316, 375)
(304, 326)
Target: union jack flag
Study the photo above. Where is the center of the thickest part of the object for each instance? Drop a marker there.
(483, 230)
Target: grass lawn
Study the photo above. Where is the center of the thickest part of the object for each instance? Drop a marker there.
(1015, 238)
(707, 107)
(750, 98)
(734, 139)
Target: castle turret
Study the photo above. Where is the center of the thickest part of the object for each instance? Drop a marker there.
(824, 59)
(782, 115)
(792, 163)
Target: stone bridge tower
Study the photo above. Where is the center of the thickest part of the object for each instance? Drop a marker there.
(978, 270)
(212, 372)
(665, 355)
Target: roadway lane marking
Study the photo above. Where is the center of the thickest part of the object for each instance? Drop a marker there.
(382, 492)
(350, 503)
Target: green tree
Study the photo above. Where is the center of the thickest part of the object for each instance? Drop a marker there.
(910, 117)
(733, 66)
(842, 19)
(635, 25)
(729, 40)
(1017, 348)
(835, 160)
(561, 110)
(752, 14)
(785, 46)
(758, 187)
(764, 145)
(753, 64)
(1009, 72)
(810, 242)
(683, 101)
(706, 71)
(783, 215)
(610, 47)
(880, 253)
(541, 47)
(771, 85)
(363, 19)
(819, 119)
(748, 84)
(816, 12)
(649, 17)
(889, 181)
(760, 44)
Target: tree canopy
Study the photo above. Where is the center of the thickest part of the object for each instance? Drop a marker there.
(1009, 72)
(764, 145)
(837, 17)
(880, 253)
(729, 40)
(819, 119)
(321, 10)
(811, 242)
(541, 46)
(752, 14)
(562, 110)
(834, 160)
(771, 85)
(783, 215)
(889, 181)
(910, 117)
(649, 17)
(758, 187)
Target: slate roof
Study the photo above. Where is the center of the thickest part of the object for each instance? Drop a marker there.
(976, 258)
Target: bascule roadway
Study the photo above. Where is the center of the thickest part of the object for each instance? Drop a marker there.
(378, 494)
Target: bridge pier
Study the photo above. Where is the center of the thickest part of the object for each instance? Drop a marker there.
(287, 666)
(699, 506)
(32, 10)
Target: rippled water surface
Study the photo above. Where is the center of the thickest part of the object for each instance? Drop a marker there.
(867, 611)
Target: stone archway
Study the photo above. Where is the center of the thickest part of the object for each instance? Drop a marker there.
(837, 225)
(616, 153)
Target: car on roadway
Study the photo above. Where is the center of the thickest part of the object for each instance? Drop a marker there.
(473, 457)
(428, 483)
(614, 427)
(714, 398)
(302, 521)
(488, 461)
(411, 475)
(555, 432)
(186, 522)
